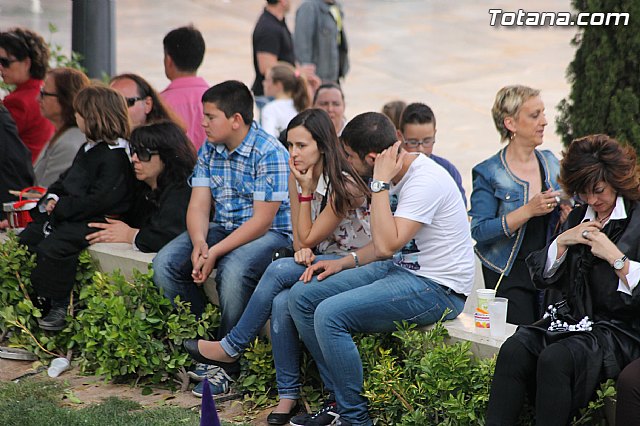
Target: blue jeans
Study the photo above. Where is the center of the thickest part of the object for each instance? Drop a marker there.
(369, 299)
(270, 298)
(237, 272)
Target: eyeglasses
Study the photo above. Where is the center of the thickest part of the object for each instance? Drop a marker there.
(414, 143)
(132, 101)
(43, 94)
(6, 62)
(144, 154)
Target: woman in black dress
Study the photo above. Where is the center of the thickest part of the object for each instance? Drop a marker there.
(594, 332)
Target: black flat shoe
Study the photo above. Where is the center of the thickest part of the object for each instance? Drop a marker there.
(191, 346)
(283, 418)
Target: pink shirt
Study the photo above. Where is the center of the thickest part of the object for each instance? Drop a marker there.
(184, 96)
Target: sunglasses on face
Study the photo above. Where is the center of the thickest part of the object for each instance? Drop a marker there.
(43, 94)
(6, 62)
(144, 154)
(414, 143)
(132, 101)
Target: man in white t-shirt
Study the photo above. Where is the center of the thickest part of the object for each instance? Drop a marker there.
(419, 225)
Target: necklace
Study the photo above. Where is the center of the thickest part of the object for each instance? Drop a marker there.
(604, 219)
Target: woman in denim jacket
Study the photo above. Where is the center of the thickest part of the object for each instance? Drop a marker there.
(514, 199)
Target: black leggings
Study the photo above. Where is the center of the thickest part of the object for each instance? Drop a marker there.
(628, 400)
(518, 372)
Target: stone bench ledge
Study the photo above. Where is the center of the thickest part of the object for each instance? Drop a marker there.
(122, 256)
(483, 345)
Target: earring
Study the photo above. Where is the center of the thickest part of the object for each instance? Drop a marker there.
(513, 135)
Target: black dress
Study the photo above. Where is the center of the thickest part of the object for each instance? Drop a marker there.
(589, 286)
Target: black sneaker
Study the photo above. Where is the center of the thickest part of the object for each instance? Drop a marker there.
(55, 320)
(326, 416)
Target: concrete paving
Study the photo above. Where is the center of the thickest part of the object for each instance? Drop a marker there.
(440, 52)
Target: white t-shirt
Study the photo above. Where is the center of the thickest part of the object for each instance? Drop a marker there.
(441, 249)
(276, 115)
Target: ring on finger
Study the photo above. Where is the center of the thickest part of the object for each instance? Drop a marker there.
(549, 205)
(585, 234)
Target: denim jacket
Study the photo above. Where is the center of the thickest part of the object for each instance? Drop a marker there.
(497, 192)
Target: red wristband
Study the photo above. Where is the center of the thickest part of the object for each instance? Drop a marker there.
(303, 198)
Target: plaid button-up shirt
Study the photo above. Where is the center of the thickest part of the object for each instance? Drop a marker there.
(257, 170)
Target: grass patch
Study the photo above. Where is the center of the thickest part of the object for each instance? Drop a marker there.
(38, 402)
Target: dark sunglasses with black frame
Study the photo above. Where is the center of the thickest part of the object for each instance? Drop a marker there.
(132, 101)
(6, 62)
(144, 154)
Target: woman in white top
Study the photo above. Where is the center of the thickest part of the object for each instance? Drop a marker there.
(289, 88)
(329, 213)
(61, 85)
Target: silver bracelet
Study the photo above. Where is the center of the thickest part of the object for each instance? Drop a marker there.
(355, 258)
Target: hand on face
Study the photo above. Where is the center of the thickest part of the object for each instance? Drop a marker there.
(389, 162)
(307, 179)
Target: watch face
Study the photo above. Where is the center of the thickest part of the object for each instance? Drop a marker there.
(376, 185)
(618, 264)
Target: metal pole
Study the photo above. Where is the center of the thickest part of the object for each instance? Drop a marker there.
(93, 35)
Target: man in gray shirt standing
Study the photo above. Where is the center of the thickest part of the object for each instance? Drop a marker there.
(320, 39)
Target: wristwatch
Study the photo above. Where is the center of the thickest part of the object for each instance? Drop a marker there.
(378, 185)
(618, 264)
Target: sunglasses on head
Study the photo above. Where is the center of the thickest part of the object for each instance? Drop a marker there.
(6, 62)
(132, 101)
(144, 154)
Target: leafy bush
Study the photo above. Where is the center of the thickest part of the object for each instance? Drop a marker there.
(18, 311)
(128, 329)
(124, 328)
(418, 379)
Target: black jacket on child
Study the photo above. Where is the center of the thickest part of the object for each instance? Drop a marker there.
(98, 184)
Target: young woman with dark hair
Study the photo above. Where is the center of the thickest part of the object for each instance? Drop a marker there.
(163, 158)
(329, 214)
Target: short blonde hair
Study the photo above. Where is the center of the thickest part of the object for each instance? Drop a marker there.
(508, 102)
(105, 113)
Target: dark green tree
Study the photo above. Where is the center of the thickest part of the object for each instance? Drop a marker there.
(604, 75)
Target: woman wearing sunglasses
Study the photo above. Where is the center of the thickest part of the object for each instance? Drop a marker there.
(24, 58)
(61, 85)
(163, 158)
